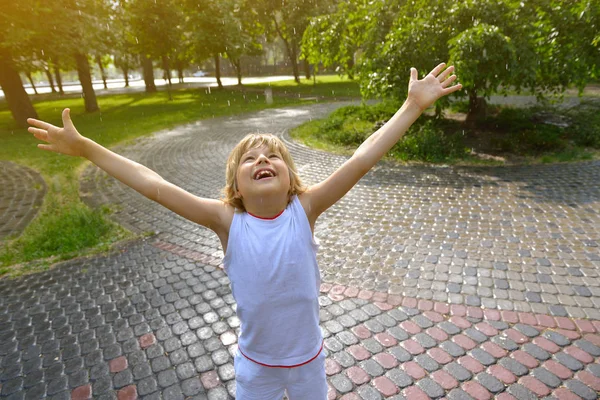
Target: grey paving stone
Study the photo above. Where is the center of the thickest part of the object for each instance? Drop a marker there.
(341, 383)
(431, 388)
(581, 389)
(369, 393)
(536, 351)
(399, 377)
(546, 377)
(482, 356)
(588, 347)
(513, 366)
(371, 367)
(457, 371)
(452, 348)
(568, 361)
(459, 394)
(527, 330)
(521, 392)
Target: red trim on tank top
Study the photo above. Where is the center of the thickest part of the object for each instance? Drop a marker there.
(256, 216)
(283, 366)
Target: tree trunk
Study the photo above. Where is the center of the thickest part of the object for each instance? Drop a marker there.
(50, 80)
(102, 73)
(83, 71)
(57, 75)
(16, 97)
(477, 108)
(291, 51)
(126, 75)
(180, 74)
(217, 58)
(148, 74)
(31, 82)
(237, 65)
(306, 69)
(350, 69)
(166, 69)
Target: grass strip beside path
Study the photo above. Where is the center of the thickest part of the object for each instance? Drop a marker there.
(67, 228)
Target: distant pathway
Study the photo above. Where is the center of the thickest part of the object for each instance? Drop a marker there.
(21, 194)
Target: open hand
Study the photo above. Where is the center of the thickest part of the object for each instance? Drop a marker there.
(436, 84)
(64, 140)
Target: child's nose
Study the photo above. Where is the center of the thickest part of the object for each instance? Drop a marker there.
(262, 158)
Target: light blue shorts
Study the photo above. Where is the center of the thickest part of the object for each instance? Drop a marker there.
(257, 382)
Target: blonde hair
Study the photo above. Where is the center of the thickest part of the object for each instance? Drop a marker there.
(252, 141)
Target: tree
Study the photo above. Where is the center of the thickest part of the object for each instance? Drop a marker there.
(16, 38)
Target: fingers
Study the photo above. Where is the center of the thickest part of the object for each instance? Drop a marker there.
(39, 133)
(47, 147)
(438, 69)
(452, 89)
(40, 124)
(445, 74)
(448, 81)
(66, 117)
(413, 74)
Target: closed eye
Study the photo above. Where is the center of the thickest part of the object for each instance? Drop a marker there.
(274, 156)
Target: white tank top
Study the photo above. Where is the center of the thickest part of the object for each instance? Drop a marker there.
(275, 280)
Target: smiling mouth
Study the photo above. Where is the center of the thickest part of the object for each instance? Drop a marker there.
(264, 174)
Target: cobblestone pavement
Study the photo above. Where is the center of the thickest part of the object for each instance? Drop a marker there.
(22, 194)
(458, 283)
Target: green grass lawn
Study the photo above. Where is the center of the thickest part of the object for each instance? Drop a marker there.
(65, 227)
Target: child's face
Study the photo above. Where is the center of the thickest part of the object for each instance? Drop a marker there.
(262, 172)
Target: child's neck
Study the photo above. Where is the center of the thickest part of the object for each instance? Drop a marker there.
(266, 207)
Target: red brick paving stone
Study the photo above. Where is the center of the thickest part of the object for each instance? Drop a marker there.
(331, 392)
(118, 364)
(437, 334)
(486, 329)
(210, 379)
(414, 393)
(471, 364)
(425, 305)
(412, 347)
(477, 391)
(127, 393)
(546, 344)
(460, 322)
(359, 352)
(386, 340)
(589, 380)
(495, 350)
(492, 315)
(585, 326)
(410, 327)
(351, 292)
(361, 332)
(596, 325)
(527, 318)
(595, 339)
(433, 316)
(414, 370)
(385, 386)
(441, 308)
(357, 375)
(525, 359)
(545, 320)
(338, 289)
(573, 335)
(565, 394)
(502, 374)
(444, 379)
(350, 396)
(579, 354)
(464, 341)
(458, 310)
(383, 306)
(335, 297)
(509, 316)
(147, 340)
(82, 392)
(380, 297)
(365, 294)
(440, 355)
(515, 335)
(332, 367)
(325, 287)
(409, 302)
(474, 312)
(535, 386)
(565, 323)
(394, 300)
(386, 360)
(558, 369)
(505, 396)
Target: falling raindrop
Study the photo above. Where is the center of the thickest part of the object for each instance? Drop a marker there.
(228, 103)
(209, 90)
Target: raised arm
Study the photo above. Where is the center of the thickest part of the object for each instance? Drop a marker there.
(67, 140)
(421, 94)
